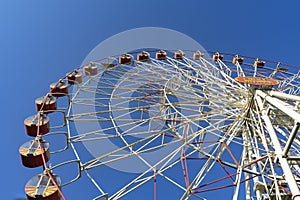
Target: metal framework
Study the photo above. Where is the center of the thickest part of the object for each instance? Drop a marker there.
(183, 127)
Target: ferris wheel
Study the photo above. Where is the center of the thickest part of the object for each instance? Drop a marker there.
(170, 124)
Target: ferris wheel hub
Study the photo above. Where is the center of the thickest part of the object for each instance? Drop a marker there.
(257, 81)
(263, 83)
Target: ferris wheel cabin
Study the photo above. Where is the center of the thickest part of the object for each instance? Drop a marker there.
(59, 89)
(258, 63)
(46, 104)
(33, 153)
(161, 55)
(91, 69)
(179, 54)
(237, 59)
(37, 125)
(125, 59)
(41, 187)
(197, 55)
(74, 78)
(217, 56)
(143, 56)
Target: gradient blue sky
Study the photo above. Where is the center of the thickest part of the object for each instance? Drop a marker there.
(42, 40)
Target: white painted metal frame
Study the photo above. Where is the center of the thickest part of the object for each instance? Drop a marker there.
(243, 118)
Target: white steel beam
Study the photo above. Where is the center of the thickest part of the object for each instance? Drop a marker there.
(290, 112)
(280, 105)
(286, 96)
(290, 140)
(276, 144)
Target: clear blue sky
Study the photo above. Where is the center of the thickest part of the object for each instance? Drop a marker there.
(42, 40)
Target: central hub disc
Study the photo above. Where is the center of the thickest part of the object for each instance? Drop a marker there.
(258, 82)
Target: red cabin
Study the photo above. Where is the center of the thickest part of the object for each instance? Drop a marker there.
(179, 54)
(91, 69)
(237, 59)
(258, 63)
(41, 187)
(143, 56)
(74, 78)
(125, 59)
(161, 55)
(217, 56)
(197, 55)
(59, 89)
(32, 153)
(35, 125)
(46, 104)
